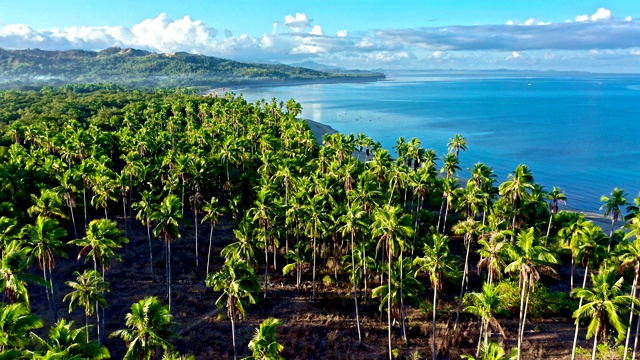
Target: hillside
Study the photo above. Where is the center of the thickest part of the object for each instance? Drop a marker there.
(33, 67)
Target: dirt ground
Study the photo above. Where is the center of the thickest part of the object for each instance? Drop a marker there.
(324, 330)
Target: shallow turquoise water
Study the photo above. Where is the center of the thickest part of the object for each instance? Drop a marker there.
(576, 131)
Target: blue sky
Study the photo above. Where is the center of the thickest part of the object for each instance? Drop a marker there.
(602, 36)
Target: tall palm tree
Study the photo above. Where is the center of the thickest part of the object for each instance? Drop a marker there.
(168, 217)
(196, 203)
(88, 292)
(315, 220)
(213, 210)
(262, 212)
(68, 189)
(13, 275)
(605, 302)
(468, 228)
(493, 254)
(391, 227)
(629, 255)
(530, 259)
(149, 328)
(611, 206)
(436, 262)
(43, 238)
(352, 221)
(554, 197)
(456, 144)
(264, 344)
(515, 188)
(238, 284)
(145, 208)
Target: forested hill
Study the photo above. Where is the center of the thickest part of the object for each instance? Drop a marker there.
(33, 67)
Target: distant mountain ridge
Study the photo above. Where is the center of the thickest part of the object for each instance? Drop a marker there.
(143, 68)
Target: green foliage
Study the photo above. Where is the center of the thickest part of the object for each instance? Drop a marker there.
(542, 303)
(327, 281)
(264, 344)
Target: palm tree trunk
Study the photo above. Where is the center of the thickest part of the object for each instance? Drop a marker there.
(482, 321)
(364, 268)
(575, 336)
(446, 214)
(98, 322)
(404, 329)
(86, 326)
(633, 295)
(635, 341)
(195, 213)
(266, 263)
(169, 273)
(54, 309)
(314, 268)
(73, 221)
(355, 293)
(595, 346)
(520, 323)
(526, 308)
(549, 227)
(389, 308)
(84, 200)
(440, 214)
(573, 266)
(153, 274)
(233, 337)
(46, 290)
(126, 221)
(464, 277)
(209, 253)
(435, 301)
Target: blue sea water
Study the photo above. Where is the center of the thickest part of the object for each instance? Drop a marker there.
(577, 131)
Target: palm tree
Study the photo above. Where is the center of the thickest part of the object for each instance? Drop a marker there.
(264, 344)
(67, 189)
(16, 324)
(316, 220)
(391, 228)
(352, 220)
(630, 256)
(605, 302)
(485, 305)
(66, 342)
(149, 328)
(456, 144)
(213, 210)
(243, 248)
(145, 208)
(493, 254)
(47, 205)
(262, 212)
(44, 239)
(13, 275)
(469, 228)
(238, 284)
(612, 205)
(88, 292)
(515, 189)
(554, 196)
(436, 262)
(168, 217)
(196, 204)
(530, 259)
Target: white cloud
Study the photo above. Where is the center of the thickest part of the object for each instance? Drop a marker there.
(299, 23)
(628, 18)
(342, 33)
(530, 22)
(514, 55)
(510, 22)
(600, 14)
(317, 30)
(635, 52)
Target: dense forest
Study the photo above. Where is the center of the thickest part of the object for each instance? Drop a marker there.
(34, 67)
(127, 217)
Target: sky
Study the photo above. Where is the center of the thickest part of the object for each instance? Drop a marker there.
(583, 35)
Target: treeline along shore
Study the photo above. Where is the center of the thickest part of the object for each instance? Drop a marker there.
(166, 224)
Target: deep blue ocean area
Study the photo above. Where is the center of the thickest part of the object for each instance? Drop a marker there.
(577, 131)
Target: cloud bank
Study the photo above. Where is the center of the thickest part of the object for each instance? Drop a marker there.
(531, 42)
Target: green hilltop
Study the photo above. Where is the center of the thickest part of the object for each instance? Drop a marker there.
(35, 67)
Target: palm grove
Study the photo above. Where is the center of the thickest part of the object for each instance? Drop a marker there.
(436, 265)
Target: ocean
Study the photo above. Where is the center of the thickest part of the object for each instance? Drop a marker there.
(577, 131)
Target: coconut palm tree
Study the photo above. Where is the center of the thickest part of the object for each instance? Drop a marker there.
(485, 304)
(530, 259)
(67, 342)
(492, 351)
(436, 262)
(315, 220)
(43, 238)
(49, 205)
(238, 284)
(16, 324)
(456, 144)
(68, 189)
(243, 248)
(516, 188)
(468, 228)
(554, 197)
(213, 210)
(493, 254)
(629, 255)
(352, 221)
(264, 344)
(391, 227)
(605, 303)
(168, 217)
(149, 328)
(13, 275)
(262, 212)
(88, 292)
(611, 206)
(145, 208)
(195, 201)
